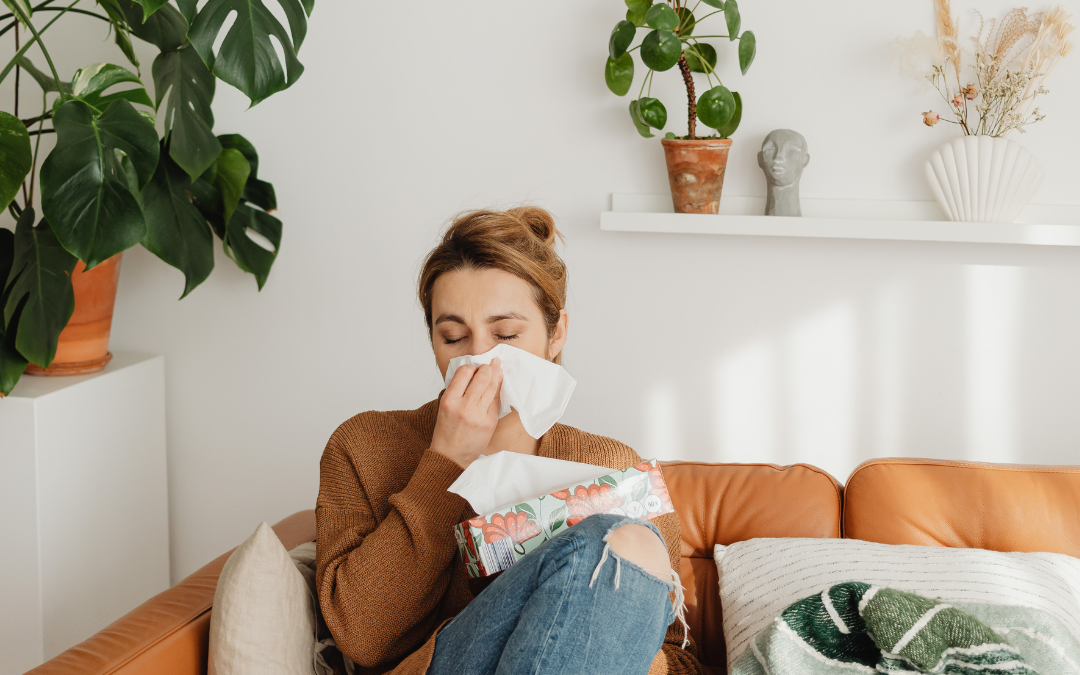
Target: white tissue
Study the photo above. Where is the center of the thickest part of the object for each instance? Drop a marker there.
(507, 477)
(536, 388)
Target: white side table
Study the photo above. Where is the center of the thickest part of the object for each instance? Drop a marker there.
(84, 519)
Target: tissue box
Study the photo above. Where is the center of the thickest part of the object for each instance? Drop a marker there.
(494, 541)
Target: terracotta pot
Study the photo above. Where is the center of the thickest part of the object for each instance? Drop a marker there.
(696, 173)
(84, 343)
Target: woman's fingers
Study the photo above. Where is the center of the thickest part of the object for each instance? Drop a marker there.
(460, 382)
(494, 386)
(478, 386)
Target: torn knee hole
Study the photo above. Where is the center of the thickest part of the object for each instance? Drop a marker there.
(640, 545)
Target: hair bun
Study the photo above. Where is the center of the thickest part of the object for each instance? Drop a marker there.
(538, 222)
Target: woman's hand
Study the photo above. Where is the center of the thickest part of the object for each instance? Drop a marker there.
(468, 413)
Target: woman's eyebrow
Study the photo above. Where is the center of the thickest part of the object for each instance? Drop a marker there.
(453, 318)
(503, 317)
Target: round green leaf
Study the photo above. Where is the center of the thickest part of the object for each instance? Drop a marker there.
(621, 37)
(635, 115)
(15, 157)
(728, 129)
(733, 18)
(619, 74)
(636, 11)
(662, 17)
(660, 50)
(694, 55)
(686, 21)
(716, 107)
(747, 50)
(652, 112)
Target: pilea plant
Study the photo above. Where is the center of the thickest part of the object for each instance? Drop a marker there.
(671, 42)
(112, 180)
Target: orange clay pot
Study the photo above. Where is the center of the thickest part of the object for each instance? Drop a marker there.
(84, 343)
(696, 172)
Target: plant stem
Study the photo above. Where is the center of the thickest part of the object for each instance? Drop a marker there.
(691, 105)
(45, 116)
(75, 11)
(12, 62)
(37, 146)
(37, 36)
(41, 131)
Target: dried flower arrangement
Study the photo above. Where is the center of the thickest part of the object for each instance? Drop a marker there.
(1011, 60)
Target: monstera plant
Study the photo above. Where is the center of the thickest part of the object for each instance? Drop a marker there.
(130, 168)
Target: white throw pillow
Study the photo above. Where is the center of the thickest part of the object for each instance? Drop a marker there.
(759, 578)
(263, 621)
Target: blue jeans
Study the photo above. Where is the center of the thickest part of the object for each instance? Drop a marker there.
(571, 606)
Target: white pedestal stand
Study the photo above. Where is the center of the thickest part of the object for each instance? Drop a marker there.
(84, 521)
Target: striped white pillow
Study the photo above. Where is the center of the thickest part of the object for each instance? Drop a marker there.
(759, 578)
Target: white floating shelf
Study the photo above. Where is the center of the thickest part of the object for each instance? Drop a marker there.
(1039, 225)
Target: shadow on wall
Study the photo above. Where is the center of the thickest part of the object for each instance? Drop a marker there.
(834, 388)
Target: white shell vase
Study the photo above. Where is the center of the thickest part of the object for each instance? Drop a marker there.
(983, 179)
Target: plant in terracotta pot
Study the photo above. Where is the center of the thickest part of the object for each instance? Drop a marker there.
(674, 37)
(129, 168)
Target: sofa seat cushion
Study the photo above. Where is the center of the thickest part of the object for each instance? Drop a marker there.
(1000, 507)
(725, 503)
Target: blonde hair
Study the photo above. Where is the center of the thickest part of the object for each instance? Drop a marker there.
(520, 241)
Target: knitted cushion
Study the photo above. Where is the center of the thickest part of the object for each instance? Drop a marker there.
(759, 578)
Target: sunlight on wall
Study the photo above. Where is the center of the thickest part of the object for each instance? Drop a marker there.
(746, 420)
(663, 439)
(891, 316)
(993, 315)
(822, 355)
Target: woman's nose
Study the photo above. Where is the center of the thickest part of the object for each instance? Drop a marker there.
(483, 345)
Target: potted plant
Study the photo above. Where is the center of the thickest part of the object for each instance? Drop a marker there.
(984, 176)
(696, 165)
(112, 181)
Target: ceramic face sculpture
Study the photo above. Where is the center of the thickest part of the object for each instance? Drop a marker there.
(783, 157)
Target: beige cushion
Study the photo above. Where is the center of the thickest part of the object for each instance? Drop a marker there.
(263, 621)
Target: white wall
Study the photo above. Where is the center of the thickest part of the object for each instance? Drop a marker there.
(698, 347)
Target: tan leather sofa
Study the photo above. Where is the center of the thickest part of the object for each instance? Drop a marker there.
(896, 501)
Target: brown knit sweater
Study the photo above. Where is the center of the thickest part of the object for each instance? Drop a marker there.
(388, 572)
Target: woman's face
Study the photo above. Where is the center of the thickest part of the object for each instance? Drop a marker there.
(473, 310)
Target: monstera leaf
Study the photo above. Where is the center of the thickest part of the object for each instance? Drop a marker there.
(258, 192)
(176, 231)
(252, 240)
(12, 363)
(91, 82)
(39, 297)
(247, 59)
(84, 191)
(166, 28)
(15, 157)
(189, 122)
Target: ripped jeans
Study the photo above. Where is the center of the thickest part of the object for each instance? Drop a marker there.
(571, 606)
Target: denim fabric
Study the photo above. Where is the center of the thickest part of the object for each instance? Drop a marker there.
(571, 606)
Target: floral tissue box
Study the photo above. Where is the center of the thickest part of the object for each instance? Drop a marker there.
(494, 541)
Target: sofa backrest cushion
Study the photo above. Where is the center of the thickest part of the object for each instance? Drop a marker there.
(1000, 507)
(726, 503)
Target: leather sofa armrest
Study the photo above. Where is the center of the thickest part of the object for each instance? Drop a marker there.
(168, 634)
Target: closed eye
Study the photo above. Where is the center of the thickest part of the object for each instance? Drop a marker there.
(507, 337)
(451, 342)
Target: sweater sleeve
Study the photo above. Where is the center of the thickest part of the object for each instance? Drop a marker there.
(379, 605)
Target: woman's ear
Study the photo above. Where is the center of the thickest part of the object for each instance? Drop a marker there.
(558, 340)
